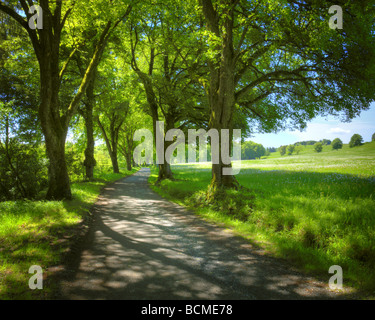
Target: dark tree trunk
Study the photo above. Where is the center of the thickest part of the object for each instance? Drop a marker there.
(54, 126)
(89, 161)
(111, 142)
(114, 161)
(164, 168)
(55, 121)
(128, 157)
(165, 171)
(221, 91)
(59, 183)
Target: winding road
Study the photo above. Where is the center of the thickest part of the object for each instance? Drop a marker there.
(141, 246)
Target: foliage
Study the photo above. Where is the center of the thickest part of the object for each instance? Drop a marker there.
(318, 147)
(297, 149)
(356, 140)
(23, 170)
(337, 144)
(282, 150)
(290, 149)
(74, 160)
(271, 149)
(252, 150)
(306, 143)
(326, 142)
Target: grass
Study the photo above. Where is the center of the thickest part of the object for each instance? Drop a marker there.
(315, 210)
(40, 233)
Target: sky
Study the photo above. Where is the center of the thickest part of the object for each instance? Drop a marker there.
(323, 128)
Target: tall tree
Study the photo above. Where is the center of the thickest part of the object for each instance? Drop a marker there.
(113, 104)
(46, 43)
(172, 95)
(283, 65)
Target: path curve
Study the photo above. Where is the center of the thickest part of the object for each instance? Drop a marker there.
(141, 246)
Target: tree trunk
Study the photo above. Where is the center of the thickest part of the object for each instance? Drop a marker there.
(59, 183)
(89, 161)
(128, 157)
(165, 171)
(221, 91)
(58, 178)
(114, 161)
(53, 125)
(54, 121)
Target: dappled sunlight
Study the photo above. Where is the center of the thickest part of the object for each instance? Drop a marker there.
(144, 247)
(314, 218)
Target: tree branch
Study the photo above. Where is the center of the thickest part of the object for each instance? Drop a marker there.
(65, 66)
(23, 23)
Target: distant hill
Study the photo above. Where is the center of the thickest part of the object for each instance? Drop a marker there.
(366, 150)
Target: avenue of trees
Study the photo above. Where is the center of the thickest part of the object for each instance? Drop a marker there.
(101, 69)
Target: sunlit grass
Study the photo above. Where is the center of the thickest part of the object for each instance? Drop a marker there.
(39, 233)
(315, 209)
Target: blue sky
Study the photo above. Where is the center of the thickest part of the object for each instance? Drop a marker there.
(323, 128)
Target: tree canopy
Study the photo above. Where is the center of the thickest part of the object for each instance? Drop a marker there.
(109, 67)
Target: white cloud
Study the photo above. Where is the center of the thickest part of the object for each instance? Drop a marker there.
(338, 131)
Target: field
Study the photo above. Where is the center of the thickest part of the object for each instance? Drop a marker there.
(313, 209)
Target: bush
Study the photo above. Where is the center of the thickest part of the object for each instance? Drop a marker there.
(23, 171)
(356, 141)
(74, 161)
(318, 147)
(337, 144)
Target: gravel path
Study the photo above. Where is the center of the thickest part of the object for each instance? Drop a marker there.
(141, 246)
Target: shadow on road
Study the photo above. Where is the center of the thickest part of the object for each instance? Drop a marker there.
(141, 246)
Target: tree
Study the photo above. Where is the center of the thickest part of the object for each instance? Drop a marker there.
(318, 147)
(337, 144)
(373, 137)
(282, 150)
(113, 110)
(291, 149)
(298, 149)
(271, 149)
(23, 171)
(251, 150)
(355, 141)
(281, 62)
(159, 54)
(326, 142)
(47, 44)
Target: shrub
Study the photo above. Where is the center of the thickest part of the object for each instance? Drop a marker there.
(23, 171)
(356, 141)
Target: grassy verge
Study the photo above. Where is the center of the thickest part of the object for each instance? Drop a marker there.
(315, 210)
(39, 233)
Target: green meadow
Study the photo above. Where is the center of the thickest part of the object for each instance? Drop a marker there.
(41, 233)
(313, 209)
